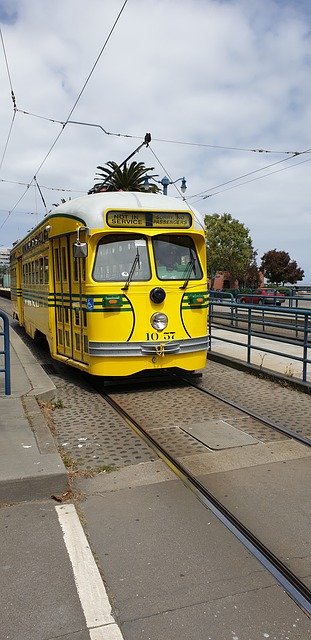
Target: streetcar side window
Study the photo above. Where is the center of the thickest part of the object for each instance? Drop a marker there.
(119, 254)
(176, 257)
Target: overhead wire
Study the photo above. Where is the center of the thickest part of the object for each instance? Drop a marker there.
(176, 187)
(72, 108)
(84, 86)
(13, 100)
(195, 144)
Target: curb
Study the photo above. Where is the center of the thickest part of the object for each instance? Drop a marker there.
(35, 471)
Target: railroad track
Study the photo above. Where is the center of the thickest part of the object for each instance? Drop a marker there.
(265, 421)
(291, 583)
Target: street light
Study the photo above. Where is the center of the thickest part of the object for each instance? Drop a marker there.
(164, 182)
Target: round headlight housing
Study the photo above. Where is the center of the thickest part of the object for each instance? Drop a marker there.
(157, 295)
(159, 321)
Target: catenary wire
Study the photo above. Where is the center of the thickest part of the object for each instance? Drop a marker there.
(252, 180)
(245, 175)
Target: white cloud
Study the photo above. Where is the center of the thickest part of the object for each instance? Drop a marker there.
(232, 73)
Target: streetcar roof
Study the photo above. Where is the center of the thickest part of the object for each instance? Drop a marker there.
(91, 207)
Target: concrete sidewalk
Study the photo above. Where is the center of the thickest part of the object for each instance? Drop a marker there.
(30, 465)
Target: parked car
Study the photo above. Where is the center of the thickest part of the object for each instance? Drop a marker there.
(264, 296)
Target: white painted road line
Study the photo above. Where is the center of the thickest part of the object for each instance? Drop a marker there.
(109, 632)
(92, 593)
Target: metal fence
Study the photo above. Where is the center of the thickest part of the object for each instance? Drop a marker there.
(289, 325)
(5, 352)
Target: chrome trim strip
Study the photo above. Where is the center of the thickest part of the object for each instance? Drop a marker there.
(131, 349)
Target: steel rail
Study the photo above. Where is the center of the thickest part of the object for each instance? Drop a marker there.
(293, 586)
(252, 414)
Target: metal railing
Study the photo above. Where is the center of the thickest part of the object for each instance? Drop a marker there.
(286, 325)
(5, 352)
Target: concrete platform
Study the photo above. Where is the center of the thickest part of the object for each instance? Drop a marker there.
(173, 571)
(30, 465)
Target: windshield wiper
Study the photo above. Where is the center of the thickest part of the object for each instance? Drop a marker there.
(136, 262)
(188, 271)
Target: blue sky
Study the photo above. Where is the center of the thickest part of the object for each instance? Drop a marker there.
(211, 80)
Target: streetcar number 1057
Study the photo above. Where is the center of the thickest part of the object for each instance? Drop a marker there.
(166, 335)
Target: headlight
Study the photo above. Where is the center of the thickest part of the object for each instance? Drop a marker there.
(159, 321)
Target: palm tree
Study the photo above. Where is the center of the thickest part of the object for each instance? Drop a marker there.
(125, 178)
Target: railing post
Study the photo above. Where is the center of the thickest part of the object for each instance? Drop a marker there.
(6, 352)
(305, 350)
(210, 316)
(249, 335)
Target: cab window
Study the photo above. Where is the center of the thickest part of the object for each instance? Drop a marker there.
(176, 258)
(118, 254)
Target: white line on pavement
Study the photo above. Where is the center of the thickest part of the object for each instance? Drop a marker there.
(92, 593)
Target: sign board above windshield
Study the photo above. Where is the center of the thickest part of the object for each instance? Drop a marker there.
(159, 219)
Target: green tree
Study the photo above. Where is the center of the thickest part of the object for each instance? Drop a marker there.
(279, 268)
(229, 245)
(252, 273)
(126, 178)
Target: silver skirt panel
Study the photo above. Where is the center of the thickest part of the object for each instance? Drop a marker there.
(128, 349)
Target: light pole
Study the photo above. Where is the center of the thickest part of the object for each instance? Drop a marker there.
(164, 182)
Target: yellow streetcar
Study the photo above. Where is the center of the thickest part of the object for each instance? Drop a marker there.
(117, 283)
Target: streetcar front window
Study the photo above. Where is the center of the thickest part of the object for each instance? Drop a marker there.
(115, 256)
(176, 258)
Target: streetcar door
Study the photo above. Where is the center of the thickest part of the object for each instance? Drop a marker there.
(63, 319)
(78, 310)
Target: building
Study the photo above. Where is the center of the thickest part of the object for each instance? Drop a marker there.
(4, 257)
(223, 280)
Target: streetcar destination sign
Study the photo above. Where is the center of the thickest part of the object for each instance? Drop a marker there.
(149, 219)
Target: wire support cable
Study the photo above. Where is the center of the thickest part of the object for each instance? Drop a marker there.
(43, 186)
(16, 204)
(8, 69)
(7, 140)
(166, 141)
